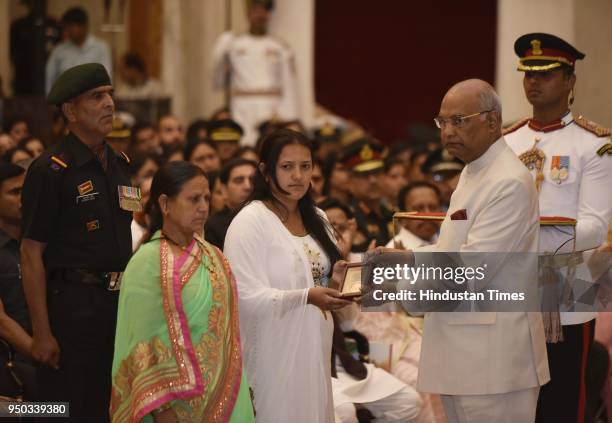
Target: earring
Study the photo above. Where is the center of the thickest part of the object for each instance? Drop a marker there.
(570, 99)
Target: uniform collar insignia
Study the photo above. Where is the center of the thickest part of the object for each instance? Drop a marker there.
(551, 126)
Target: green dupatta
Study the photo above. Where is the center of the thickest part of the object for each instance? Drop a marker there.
(177, 338)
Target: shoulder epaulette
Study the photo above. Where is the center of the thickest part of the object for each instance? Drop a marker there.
(125, 157)
(515, 126)
(59, 162)
(605, 149)
(592, 127)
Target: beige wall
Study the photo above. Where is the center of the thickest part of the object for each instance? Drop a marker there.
(294, 23)
(593, 20)
(515, 18)
(583, 23)
(190, 30)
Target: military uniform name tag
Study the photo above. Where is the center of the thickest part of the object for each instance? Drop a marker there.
(559, 168)
(86, 197)
(129, 198)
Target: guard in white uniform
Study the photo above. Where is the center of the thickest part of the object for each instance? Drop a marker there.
(567, 155)
(261, 72)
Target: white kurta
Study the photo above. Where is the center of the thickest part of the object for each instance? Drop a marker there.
(482, 353)
(286, 342)
(584, 195)
(263, 82)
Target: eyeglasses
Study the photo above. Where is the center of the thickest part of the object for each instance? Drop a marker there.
(456, 121)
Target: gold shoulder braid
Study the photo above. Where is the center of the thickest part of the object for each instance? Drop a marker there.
(592, 127)
(515, 126)
(605, 149)
(534, 160)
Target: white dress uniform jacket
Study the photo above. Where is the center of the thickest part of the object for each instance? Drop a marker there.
(582, 194)
(263, 83)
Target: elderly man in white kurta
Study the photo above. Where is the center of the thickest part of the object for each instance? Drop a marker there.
(487, 366)
(261, 71)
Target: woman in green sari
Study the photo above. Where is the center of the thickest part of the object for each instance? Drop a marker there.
(177, 348)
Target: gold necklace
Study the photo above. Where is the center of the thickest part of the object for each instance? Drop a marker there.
(183, 248)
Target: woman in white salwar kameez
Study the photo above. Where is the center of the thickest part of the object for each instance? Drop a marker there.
(282, 252)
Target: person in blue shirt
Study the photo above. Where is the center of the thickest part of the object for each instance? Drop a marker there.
(79, 47)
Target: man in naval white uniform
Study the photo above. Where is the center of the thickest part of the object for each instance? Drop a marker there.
(487, 366)
(573, 181)
(261, 71)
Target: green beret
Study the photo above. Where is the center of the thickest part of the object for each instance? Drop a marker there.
(77, 80)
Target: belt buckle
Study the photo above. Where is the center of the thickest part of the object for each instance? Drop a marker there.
(114, 281)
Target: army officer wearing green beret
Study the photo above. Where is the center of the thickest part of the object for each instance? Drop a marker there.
(77, 207)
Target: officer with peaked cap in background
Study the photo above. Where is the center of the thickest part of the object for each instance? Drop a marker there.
(327, 140)
(119, 138)
(573, 175)
(363, 159)
(77, 208)
(443, 170)
(226, 134)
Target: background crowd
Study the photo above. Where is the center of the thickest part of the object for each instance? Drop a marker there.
(357, 180)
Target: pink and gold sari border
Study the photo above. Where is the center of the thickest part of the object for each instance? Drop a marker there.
(189, 381)
(226, 398)
(185, 377)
